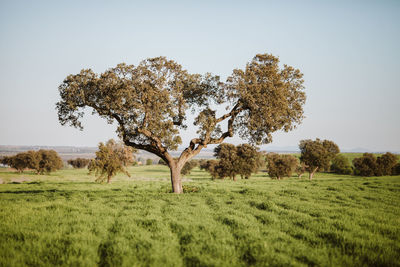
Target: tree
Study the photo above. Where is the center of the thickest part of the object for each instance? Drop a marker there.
(189, 165)
(19, 161)
(150, 102)
(111, 158)
(317, 154)
(341, 165)
(78, 162)
(280, 165)
(47, 161)
(385, 164)
(249, 160)
(227, 164)
(365, 165)
(212, 167)
(149, 162)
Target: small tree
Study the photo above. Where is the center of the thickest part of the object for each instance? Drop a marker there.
(385, 164)
(341, 165)
(317, 154)
(189, 165)
(149, 162)
(150, 102)
(212, 167)
(47, 161)
(279, 166)
(365, 165)
(78, 163)
(396, 169)
(111, 158)
(249, 160)
(227, 164)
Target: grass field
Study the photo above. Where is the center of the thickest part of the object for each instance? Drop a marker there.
(66, 219)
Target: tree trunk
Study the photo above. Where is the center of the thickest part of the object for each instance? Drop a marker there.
(312, 173)
(108, 179)
(176, 179)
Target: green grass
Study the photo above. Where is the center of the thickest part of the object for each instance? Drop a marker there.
(67, 219)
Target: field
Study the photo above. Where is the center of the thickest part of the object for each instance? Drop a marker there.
(67, 219)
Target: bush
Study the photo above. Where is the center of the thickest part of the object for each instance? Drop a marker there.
(341, 165)
(149, 162)
(189, 166)
(162, 162)
(78, 163)
(369, 165)
(396, 169)
(280, 165)
(41, 161)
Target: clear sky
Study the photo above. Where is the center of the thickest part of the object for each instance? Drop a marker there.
(347, 50)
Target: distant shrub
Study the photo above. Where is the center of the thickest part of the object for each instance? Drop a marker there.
(42, 161)
(162, 162)
(78, 163)
(385, 164)
(211, 166)
(149, 162)
(396, 169)
(341, 165)
(189, 166)
(369, 165)
(111, 158)
(279, 166)
(365, 165)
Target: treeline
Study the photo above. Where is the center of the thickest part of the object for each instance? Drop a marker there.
(42, 161)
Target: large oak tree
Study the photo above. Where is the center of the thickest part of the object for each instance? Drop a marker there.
(150, 103)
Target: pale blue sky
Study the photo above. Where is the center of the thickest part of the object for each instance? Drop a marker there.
(347, 50)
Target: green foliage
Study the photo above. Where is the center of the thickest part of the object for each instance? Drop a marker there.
(280, 165)
(385, 164)
(162, 162)
(241, 160)
(78, 162)
(317, 155)
(111, 158)
(211, 166)
(370, 165)
(341, 165)
(67, 220)
(42, 161)
(149, 162)
(189, 165)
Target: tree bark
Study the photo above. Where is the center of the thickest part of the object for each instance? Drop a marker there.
(108, 179)
(176, 179)
(312, 173)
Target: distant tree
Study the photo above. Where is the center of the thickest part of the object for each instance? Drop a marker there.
(111, 158)
(248, 160)
(341, 165)
(212, 167)
(149, 162)
(78, 162)
(385, 164)
(162, 162)
(396, 169)
(279, 166)
(227, 164)
(189, 165)
(317, 154)
(150, 102)
(301, 169)
(365, 165)
(47, 161)
(19, 161)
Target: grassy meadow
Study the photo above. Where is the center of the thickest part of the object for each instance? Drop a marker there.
(65, 219)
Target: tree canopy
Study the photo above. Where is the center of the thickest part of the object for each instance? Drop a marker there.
(150, 102)
(317, 154)
(111, 158)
